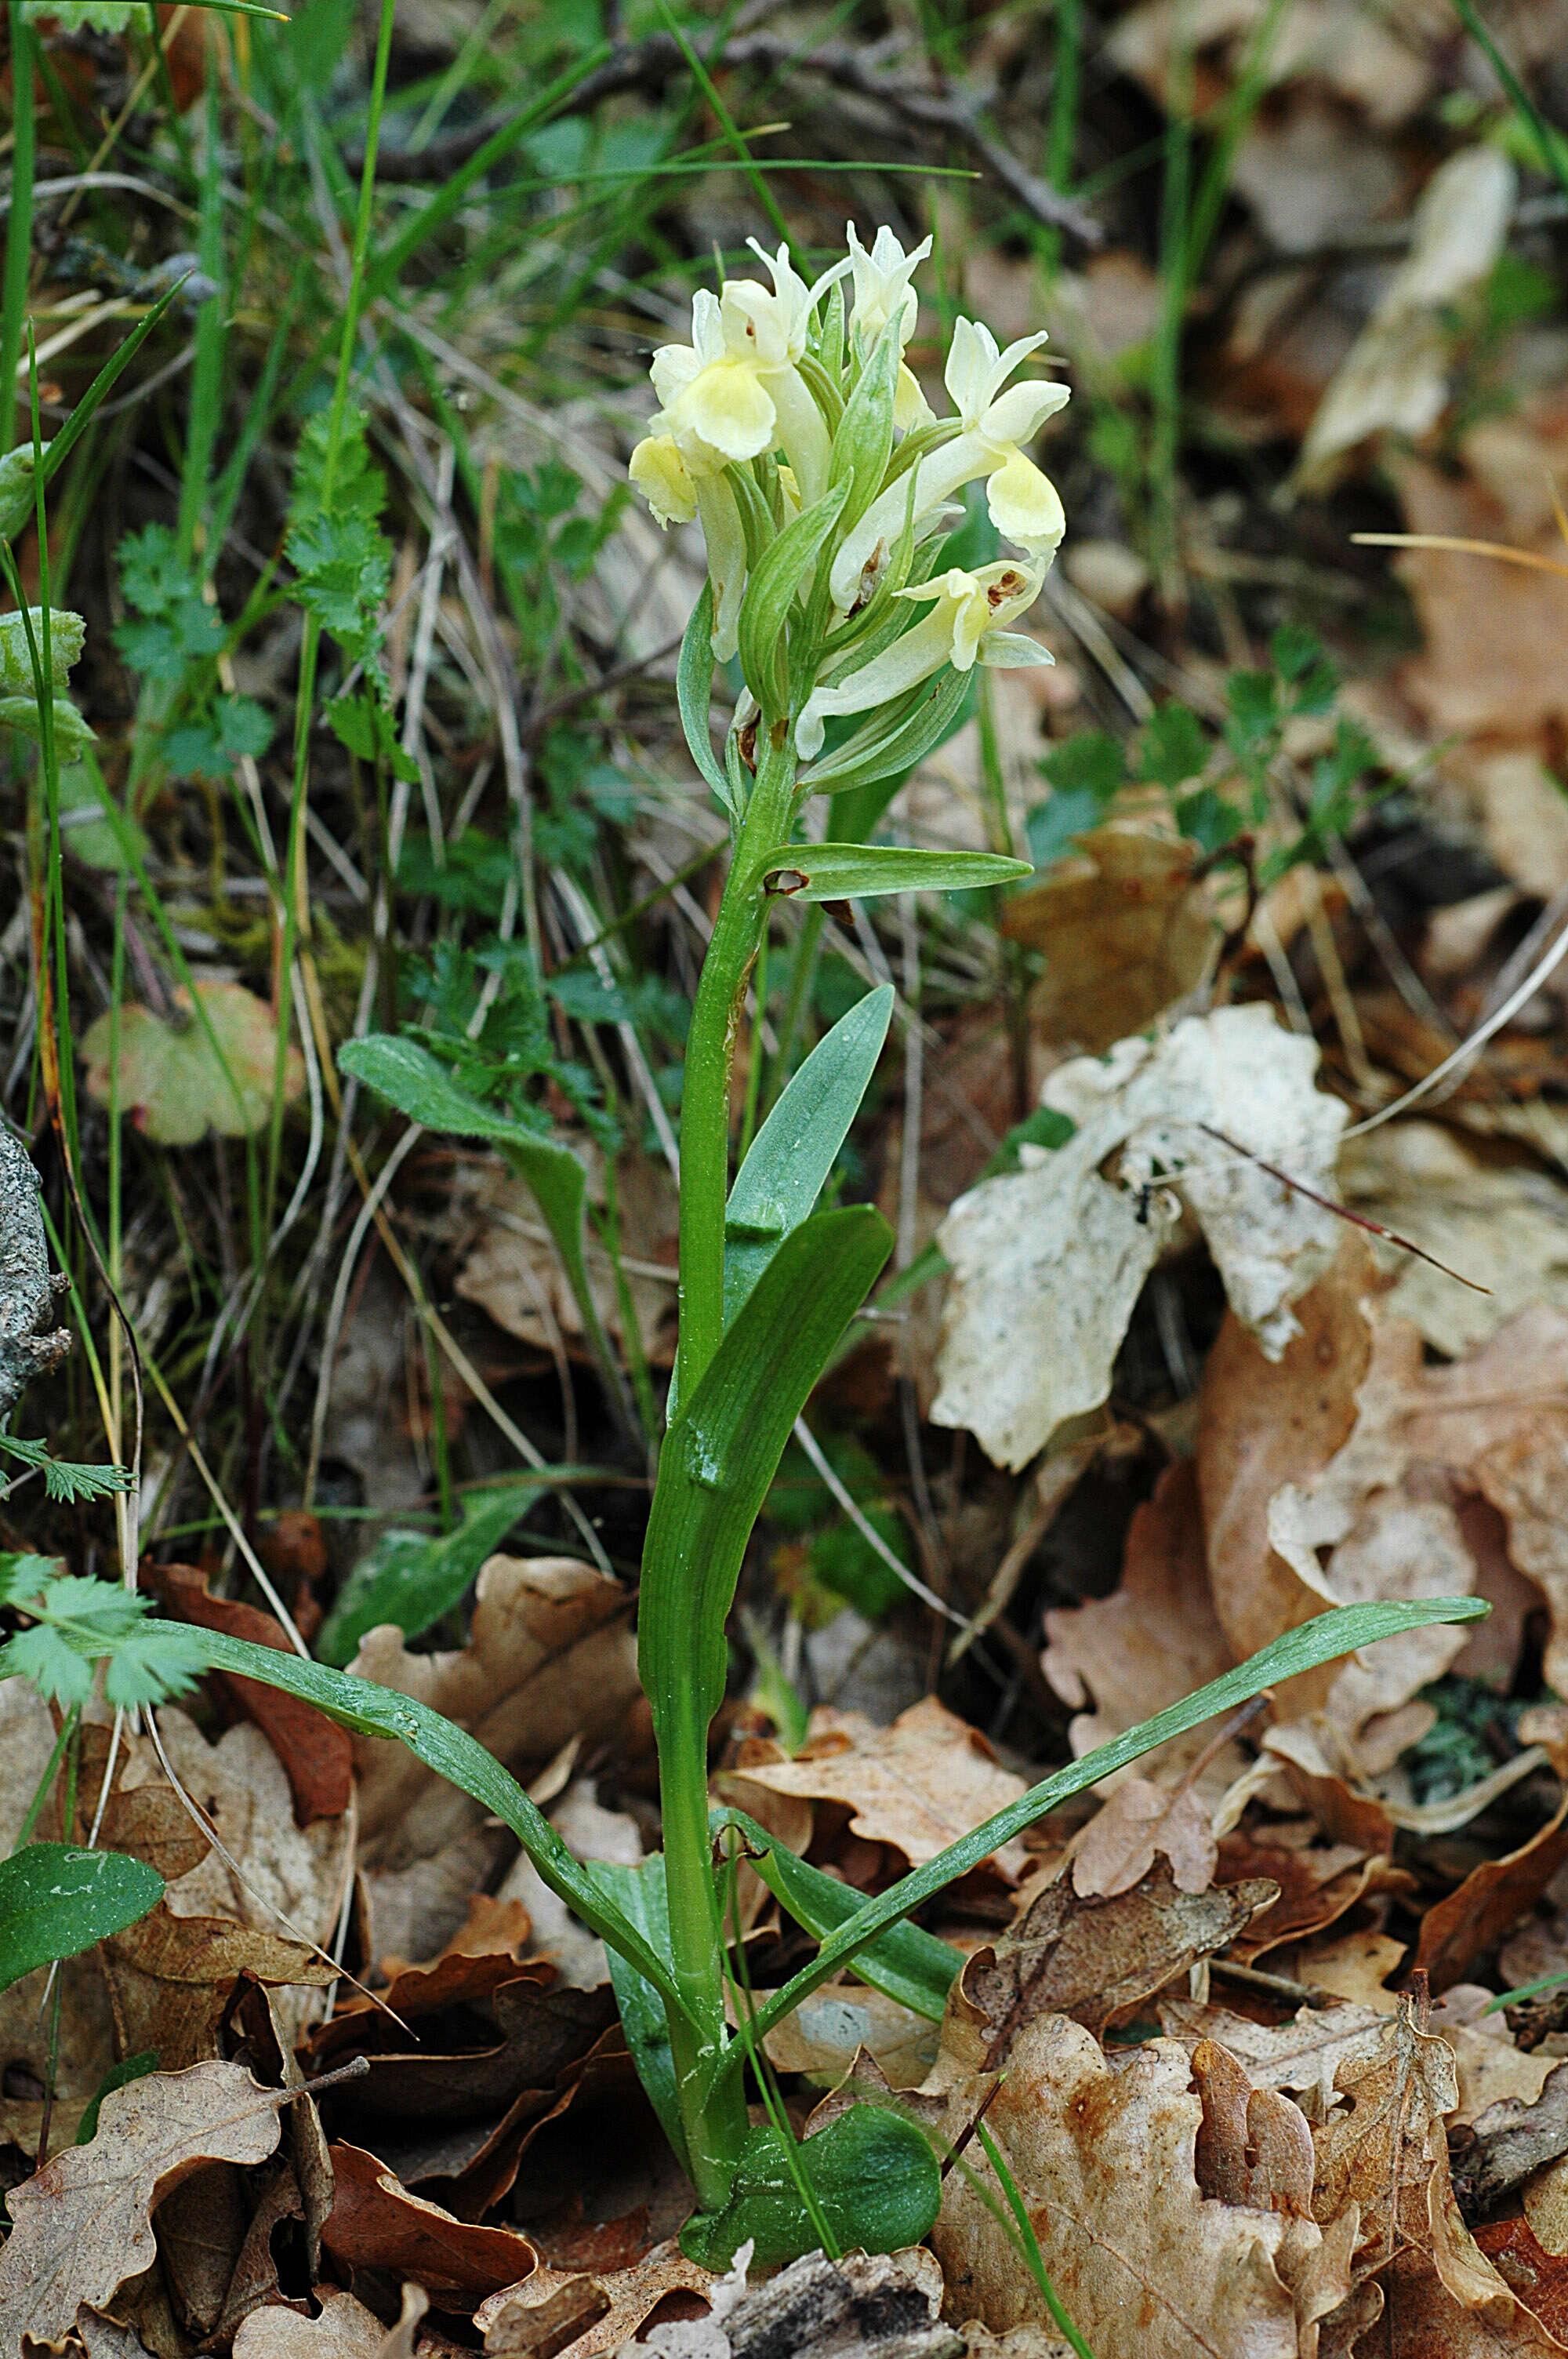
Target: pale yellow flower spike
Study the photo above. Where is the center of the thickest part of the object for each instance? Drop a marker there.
(994, 426)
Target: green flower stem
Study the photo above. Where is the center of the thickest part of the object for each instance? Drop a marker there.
(710, 1045)
(713, 2102)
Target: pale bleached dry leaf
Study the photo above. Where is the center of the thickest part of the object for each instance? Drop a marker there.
(1117, 1660)
(549, 1656)
(345, 2330)
(171, 1079)
(1048, 1262)
(1395, 376)
(1504, 1227)
(1119, 1845)
(1124, 932)
(917, 1786)
(84, 2225)
(1102, 2153)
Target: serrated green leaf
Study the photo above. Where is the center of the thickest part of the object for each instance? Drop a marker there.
(873, 2176)
(57, 1900)
(411, 1579)
(794, 1150)
(841, 872)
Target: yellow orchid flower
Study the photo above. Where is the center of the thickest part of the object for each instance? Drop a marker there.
(968, 624)
(681, 479)
(993, 426)
(736, 386)
(882, 289)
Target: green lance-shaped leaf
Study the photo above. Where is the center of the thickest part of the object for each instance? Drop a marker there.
(419, 1085)
(770, 594)
(796, 1149)
(873, 2178)
(862, 441)
(1341, 1632)
(694, 695)
(907, 1962)
(57, 1900)
(838, 872)
(722, 1451)
(369, 1709)
(642, 1895)
(412, 1579)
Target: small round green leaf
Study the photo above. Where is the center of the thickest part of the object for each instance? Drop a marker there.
(57, 1900)
(874, 2184)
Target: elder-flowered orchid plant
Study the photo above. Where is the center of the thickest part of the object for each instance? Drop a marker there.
(791, 428)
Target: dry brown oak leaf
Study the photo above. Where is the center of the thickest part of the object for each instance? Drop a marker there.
(549, 1656)
(1120, 1659)
(1102, 2152)
(84, 2225)
(917, 1786)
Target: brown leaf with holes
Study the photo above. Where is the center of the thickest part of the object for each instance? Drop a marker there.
(84, 2225)
(1124, 930)
(613, 2306)
(1103, 2153)
(1091, 1958)
(316, 1755)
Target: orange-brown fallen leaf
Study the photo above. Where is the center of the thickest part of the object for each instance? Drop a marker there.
(1124, 930)
(316, 1755)
(1120, 1659)
(376, 2224)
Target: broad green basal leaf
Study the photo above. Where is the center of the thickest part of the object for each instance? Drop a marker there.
(875, 2183)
